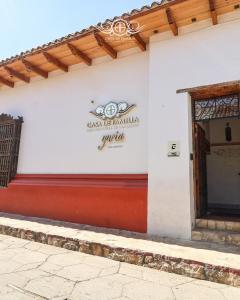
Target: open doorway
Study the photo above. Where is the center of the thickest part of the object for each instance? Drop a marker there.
(216, 123)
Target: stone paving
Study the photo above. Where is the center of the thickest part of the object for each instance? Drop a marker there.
(30, 270)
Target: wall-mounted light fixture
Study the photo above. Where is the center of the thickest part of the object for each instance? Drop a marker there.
(228, 133)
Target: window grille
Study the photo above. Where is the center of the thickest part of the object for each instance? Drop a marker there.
(216, 108)
(10, 132)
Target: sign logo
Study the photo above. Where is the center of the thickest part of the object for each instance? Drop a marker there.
(112, 110)
(112, 119)
(120, 28)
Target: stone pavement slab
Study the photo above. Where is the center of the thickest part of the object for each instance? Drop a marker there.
(199, 260)
(78, 276)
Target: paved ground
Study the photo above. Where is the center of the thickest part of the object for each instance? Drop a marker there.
(207, 253)
(30, 270)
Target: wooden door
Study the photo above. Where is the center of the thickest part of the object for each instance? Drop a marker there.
(201, 147)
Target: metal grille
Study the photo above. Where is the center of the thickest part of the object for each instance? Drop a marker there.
(10, 132)
(216, 108)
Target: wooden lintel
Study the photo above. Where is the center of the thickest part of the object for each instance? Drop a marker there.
(55, 61)
(139, 41)
(102, 43)
(78, 53)
(17, 74)
(213, 12)
(7, 82)
(212, 86)
(35, 69)
(213, 90)
(171, 21)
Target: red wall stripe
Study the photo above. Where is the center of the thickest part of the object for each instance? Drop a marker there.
(114, 201)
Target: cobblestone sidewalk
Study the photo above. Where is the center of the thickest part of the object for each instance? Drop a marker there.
(30, 270)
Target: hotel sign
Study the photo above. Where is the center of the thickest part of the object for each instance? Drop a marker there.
(112, 116)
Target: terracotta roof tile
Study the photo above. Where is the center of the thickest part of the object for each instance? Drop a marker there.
(78, 34)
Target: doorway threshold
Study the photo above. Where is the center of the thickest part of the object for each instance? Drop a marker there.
(222, 216)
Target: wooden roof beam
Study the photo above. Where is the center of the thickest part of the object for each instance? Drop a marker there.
(213, 12)
(171, 21)
(78, 53)
(139, 41)
(7, 82)
(16, 74)
(55, 61)
(31, 67)
(103, 44)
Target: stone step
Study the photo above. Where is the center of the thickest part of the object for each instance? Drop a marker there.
(216, 236)
(220, 225)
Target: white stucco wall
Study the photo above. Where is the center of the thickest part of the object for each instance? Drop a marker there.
(56, 111)
(202, 54)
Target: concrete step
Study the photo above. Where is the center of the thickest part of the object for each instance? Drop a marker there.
(220, 225)
(226, 237)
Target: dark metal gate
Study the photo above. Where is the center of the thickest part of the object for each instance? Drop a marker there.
(10, 132)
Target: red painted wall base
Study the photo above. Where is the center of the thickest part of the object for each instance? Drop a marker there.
(114, 201)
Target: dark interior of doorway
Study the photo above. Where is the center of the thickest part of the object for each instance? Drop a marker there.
(207, 171)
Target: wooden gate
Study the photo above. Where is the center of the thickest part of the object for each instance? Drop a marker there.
(201, 146)
(10, 132)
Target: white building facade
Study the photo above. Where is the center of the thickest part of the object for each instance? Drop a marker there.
(60, 136)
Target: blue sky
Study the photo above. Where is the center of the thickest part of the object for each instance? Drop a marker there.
(25, 24)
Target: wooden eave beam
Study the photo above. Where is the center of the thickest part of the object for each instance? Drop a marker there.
(213, 12)
(78, 53)
(139, 41)
(171, 21)
(7, 82)
(17, 74)
(55, 61)
(103, 44)
(35, 69)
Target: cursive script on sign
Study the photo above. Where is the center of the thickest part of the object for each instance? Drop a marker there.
(111, 138)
